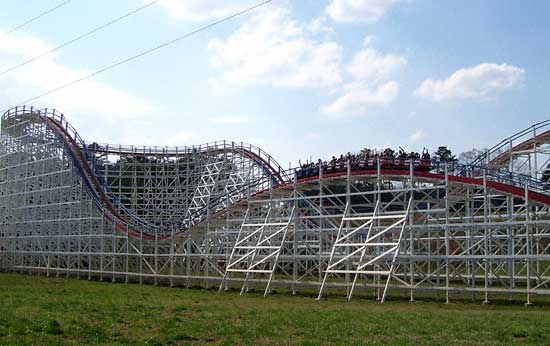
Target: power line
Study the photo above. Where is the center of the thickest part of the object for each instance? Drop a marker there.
(35, 18)
(139, 55)
(77, 38)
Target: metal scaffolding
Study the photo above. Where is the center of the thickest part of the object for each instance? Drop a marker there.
(226, 215)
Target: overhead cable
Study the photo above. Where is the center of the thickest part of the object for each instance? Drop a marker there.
(35, 18)
(139, 55)
(78, 38)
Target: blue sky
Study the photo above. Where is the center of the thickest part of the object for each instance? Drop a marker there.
(299, 78)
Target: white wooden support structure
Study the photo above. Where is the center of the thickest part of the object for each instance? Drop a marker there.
(371, 247)
(258, 246)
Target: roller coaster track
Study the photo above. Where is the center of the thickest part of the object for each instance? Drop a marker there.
(121, 217)
(505, 151)
(128, 222)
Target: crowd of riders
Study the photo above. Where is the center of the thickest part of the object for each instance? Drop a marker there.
(369, 158)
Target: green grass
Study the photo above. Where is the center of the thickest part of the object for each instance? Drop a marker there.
(51, 311)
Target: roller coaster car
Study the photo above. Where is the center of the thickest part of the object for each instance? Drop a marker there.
(359, 166)
(386, 163)
(334, 168)
(395, 163)
(342, 167)
(424, 165)
(365, 165)
(421, 165)
(307, 172)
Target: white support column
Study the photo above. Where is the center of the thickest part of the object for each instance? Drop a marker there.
(411, 235)
(535, 170)
(348, 202)
(528, 245)
(295, 235)
(447, 242)
(486, 264)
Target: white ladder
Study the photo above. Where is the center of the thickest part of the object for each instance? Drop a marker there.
(258, 246)
(369, 262)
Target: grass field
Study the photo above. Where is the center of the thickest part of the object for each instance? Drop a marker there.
(54, 311)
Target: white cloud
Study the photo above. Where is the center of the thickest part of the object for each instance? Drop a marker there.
(418, 136)
(46, 74)
(370, 70)
(358, 10)
(371, 64)
(201, 10)
(230, 119)
(359, 99)
(478, 82)
(319, 25)
(274, 50)
(313, 135)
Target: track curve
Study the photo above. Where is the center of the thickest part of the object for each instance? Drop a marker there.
(123, 219)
